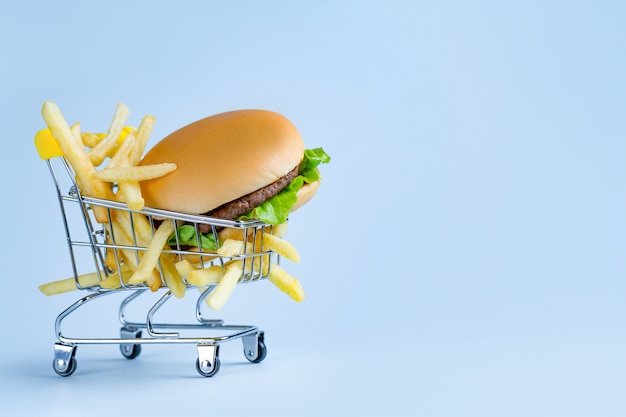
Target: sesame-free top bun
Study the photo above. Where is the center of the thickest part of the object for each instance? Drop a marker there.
(221, 158)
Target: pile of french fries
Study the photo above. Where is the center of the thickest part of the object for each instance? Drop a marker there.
(106, 167)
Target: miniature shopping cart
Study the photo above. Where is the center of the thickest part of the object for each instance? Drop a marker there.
(96, 245)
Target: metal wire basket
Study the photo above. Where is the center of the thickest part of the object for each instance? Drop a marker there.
(105, 252)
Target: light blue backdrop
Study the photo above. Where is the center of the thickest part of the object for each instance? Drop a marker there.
(464, 257)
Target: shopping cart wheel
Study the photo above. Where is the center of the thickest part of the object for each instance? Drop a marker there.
(254, 347)
(130, 350)
(208, 362)
(64, 363)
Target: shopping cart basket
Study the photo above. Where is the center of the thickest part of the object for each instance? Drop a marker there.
(95, 245)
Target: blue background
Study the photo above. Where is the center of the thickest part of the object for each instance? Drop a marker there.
(464, 257)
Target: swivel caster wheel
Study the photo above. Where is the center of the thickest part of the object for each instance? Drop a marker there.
(254, 347)
(64, 363)
(130, 350)
(208, 362)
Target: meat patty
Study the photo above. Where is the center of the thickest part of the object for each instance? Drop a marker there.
(242, 205)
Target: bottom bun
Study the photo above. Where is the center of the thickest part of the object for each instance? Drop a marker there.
(305, 193)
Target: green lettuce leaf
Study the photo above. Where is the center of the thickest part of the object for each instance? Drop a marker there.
(187, 237)
(276, 210)
(312, 159)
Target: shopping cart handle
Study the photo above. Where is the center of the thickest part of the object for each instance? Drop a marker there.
(47, 145)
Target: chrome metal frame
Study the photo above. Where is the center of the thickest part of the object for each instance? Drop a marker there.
(106, 257)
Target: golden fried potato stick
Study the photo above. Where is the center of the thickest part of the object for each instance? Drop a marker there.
(232, 233)
(69, 284)
(281, 247)
(172, 277)
(131, 193)
(128, 177)
(104, 147)
(236, 233)
(118, 230)
(134, 173)
(286, 283)
(202, 256)
(90, 139)
(280, 230)
(140, 227)
(220, 294)
(143, 134)
(202, 277)
(121, 158)
(128, 191)
(143, 228)
(86, 280)
(124, 233)
(122, 168)
(76, 155)
(110, 259)
(150, 258)
(259, 264)
(231, 247)
(184, 267)
(112, 282)
(75, 129)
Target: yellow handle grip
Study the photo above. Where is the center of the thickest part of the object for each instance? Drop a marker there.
(47, 145)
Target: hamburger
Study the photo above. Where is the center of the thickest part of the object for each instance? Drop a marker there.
(237, 165)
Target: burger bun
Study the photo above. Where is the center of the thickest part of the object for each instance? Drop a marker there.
(222, 158)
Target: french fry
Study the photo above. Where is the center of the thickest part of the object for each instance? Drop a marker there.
(138, 229)
(131, 191)
(69, 284)
(231, 247)
(121, 158)
(86, 280)
(126, 235)
(286, 283)
(237, 233)
(184, 268)
(111, 282)
(201, 277)
(109, 259)
(199, 259)
(281, 246)
(90, 139)
(128, 191)
(280, 230)
(220, 294)
(104, 147)
(75, 153)
(260, 264)
(121, 234)
(134, 173)
(231, 233)
(142, 136)
(149, 260)
(171, 276)
(75, 129)
(143, 228)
